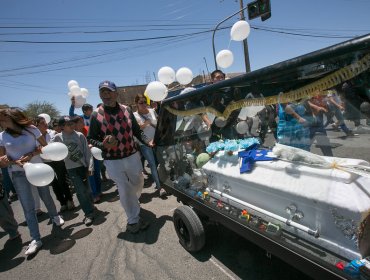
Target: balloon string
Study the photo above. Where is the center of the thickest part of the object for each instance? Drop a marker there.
(228, 47)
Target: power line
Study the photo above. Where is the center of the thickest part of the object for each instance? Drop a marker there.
(100, 32)
(166, 44)
(105, 41)
(99, 26)
(302, 34)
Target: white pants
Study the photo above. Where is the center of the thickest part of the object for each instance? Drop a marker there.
(128, 176)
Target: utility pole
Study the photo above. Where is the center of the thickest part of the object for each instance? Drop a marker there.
(205, 61)
(245, 42)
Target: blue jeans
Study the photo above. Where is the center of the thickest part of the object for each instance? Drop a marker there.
(80, 182)
(149, 156)
(23, 188)
(8, 184)
(339, 115)
(94, 180)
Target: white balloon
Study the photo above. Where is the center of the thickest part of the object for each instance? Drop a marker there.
(225, 58)
(220, 122)
(84, 92)
(75, 90)
(184, 76)
(39, 174)
(242, 127)
(156, 91)
(240, 30)
(166, 75)
(43, 156)
(79, 101)
(70, 94)
(46, 117)
(55, 151)
(72, 83)
(97, 153)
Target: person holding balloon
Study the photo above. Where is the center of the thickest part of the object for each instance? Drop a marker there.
(112, 129)
(94, 180)
(59, 184)
(78, 99)
(87, 109)
(147, 119)
(18, 146)
(79, 164)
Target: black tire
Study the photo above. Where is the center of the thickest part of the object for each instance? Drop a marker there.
(189, 228)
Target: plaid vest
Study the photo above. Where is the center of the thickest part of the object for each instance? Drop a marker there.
(119, 125)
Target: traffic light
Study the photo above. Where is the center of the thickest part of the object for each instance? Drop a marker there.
(259, 8)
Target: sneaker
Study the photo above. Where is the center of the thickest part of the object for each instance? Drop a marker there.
(58, 221)
(63, 208)
(162, 192)
(88, 221)
(33, 247)
(70, 205)
(135, 228)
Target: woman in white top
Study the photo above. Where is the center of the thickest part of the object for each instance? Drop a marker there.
(147, 119)
(18, 145)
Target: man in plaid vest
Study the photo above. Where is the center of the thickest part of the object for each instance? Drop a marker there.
(112, 129)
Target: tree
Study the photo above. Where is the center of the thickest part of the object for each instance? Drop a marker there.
(34, 109)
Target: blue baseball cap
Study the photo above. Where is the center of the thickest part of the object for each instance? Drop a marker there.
(108, 84)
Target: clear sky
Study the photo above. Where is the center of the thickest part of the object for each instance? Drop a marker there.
(94, 40)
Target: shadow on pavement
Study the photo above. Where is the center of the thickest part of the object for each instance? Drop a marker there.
(62, 246)
(81, 233)
(9, 252)
(107, 185)
(100, 217)
(243, 258)
(147, 197)
(110, 197)
(61, 239)
(149, 235)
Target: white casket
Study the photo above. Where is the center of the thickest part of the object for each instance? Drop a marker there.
(331, 202)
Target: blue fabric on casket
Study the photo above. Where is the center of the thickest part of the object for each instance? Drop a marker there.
(252, 155)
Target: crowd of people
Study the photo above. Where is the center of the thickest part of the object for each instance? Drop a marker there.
(124, 138)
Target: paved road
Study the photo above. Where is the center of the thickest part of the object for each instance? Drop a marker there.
(106, 251)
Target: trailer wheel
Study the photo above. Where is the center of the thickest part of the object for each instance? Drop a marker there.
(189, 228)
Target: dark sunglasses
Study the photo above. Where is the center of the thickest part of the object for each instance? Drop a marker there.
(141, 102)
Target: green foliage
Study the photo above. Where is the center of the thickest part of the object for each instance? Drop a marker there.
(34, 109)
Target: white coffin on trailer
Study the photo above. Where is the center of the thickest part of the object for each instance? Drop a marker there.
(329, 203)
